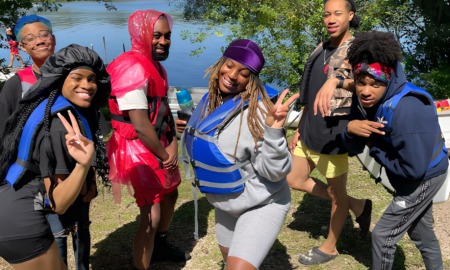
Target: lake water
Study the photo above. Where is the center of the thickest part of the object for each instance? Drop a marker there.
(88, 22)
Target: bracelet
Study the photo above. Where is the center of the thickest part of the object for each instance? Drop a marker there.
(341, 81)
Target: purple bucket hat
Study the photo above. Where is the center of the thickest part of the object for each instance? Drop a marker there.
(247, 53)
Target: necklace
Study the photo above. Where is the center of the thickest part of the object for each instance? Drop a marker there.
(325, 59)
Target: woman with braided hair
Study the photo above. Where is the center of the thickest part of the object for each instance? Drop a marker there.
(236, 145)
(50, 148)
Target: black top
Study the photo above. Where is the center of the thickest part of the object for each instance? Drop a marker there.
(10, 96)
(63, 163)
(321, 134)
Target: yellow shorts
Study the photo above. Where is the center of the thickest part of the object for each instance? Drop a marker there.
(330, 166)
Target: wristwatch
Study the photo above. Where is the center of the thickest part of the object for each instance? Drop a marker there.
(341, 81)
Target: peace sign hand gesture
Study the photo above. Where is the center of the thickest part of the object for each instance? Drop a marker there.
(277, 116)
(80, 148)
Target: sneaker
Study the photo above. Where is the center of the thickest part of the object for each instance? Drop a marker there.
(163, 251)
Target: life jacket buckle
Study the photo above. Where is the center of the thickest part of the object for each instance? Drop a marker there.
(192, 161)
(190, 130)
(195, 183)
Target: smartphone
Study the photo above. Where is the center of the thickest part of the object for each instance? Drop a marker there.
(183, 116)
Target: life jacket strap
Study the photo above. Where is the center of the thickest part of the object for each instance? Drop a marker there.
(120, 118)
(162, 120)
(231, 168)
(192, 131)
(30, 130)
(201, 183)
(28, 165)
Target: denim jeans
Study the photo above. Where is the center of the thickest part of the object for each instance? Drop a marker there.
(76, 222)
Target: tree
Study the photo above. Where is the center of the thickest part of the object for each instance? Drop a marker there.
(286, 40)
(288, 30)
(424, 31)
(12, 10)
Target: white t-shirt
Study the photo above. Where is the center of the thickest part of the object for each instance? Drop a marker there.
(134, 100)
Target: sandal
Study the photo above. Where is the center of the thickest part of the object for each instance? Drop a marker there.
(364, 219)
(315, 256)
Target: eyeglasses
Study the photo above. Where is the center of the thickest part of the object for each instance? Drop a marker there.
(31, 39)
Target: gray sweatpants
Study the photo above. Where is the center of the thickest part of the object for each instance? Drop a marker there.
(409, 212)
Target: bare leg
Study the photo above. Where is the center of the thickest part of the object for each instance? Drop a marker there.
(11, 60)
(224, 251)
(299, 179)
(235, 263)
(339, 211)
(145, 235)
(163, 251)
(19, 58)
(167, 210)
(49, 260)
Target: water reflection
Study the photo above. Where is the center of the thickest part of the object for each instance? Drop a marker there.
(88, 23)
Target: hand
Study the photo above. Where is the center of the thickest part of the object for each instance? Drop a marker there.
(322, 101)
(180, 125)
(294, 141)
(277, 116)
(172, 161)
(364, 128)
(79, 147)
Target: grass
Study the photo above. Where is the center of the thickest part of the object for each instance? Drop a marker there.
(306, 225)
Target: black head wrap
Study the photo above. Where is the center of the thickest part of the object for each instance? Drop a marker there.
(56, 68)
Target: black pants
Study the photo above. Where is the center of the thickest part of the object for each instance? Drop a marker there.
(76, 222)
(412, 213)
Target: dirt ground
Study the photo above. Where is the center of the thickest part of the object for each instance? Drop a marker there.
(441, 213)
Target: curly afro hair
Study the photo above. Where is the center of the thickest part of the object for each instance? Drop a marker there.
(375, 47)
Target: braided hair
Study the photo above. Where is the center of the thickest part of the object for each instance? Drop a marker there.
(13, 131)
(54, 72)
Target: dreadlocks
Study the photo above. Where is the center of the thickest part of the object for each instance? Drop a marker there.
(54, 71)
(253, 89)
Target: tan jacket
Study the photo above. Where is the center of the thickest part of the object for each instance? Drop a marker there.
(338, 65)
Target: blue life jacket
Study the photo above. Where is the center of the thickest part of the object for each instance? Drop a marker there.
(386, 111)
(28, 138)
(214, 173)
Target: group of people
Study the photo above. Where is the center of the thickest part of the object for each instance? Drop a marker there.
(52, 148)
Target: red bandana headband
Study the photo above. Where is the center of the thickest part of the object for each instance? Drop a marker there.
(378, 71)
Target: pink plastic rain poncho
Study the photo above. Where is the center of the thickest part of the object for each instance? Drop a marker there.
(129, 159)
